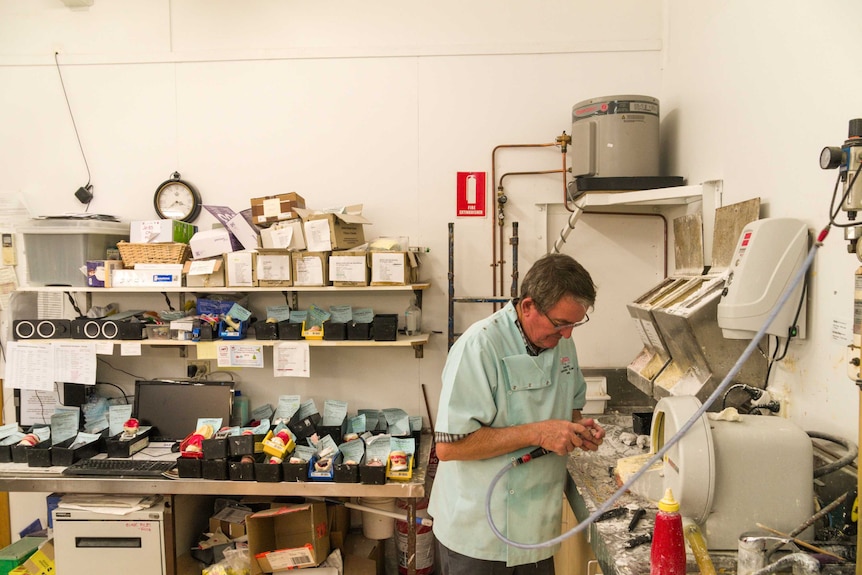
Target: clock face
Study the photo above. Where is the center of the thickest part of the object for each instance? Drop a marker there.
(177, 200)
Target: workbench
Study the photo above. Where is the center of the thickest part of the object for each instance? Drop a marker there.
(591, 483)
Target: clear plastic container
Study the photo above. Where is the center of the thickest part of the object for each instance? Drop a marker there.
(57, 249)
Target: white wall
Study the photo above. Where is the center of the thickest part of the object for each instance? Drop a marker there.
(380, 103)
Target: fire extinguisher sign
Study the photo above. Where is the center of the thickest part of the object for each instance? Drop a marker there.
(471, 194)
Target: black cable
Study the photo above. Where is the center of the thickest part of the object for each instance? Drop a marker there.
(74, 125)
(168, 301)
(834, 211)
(74, 304)
(120, 370)
(125, 396)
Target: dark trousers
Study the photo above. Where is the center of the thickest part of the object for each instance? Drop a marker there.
(451, 563)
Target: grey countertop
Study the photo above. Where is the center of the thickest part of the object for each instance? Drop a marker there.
(592, 483)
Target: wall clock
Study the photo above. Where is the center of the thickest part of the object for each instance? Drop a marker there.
(176, 199)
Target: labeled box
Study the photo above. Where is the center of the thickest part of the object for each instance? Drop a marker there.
(239, 270)
(326, 232)
(394, 268)
(311, 269)
(274, 268)
(291, 536)
(160, 231)
(270, 209)
(349, 268)
(204, 273)
(287, 235)
(211, 243)
(148, 275)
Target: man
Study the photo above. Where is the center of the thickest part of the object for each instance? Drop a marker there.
(512, 383)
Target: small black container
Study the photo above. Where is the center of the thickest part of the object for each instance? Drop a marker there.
(116, 446)
(189, 467)
(214, 469)
(385, 327)
(358, 331)
(243, 444)
(372, 474)
(268, 472)
(302, 428)
(345, 473)
(294, 471)
(215, 448)
(334, 331)
(240, 470)
(39, 455)
(62, 455)
(265, 330)
(642, 423)
(289, 330)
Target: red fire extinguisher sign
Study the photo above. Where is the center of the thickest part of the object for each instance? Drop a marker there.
(471, 194)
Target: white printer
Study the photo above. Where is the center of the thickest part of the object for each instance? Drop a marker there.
(93, 543)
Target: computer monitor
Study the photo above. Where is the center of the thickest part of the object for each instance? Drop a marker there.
(173, 408)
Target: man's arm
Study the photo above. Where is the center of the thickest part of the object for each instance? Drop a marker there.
(556, 435)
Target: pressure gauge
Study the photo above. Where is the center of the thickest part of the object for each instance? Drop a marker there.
(831, 157)
(176, 199)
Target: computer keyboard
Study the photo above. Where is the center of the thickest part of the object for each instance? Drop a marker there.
(120, 467)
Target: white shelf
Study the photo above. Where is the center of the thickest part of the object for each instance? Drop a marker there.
(677, 195)
(212, 290)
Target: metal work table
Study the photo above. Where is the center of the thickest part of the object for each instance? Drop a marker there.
(591, 483)
(18, 477)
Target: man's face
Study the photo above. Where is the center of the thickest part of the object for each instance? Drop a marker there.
(546, 328)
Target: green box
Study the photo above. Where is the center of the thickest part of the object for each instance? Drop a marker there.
(18, 552)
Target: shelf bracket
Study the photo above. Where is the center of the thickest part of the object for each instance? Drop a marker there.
(419, 350)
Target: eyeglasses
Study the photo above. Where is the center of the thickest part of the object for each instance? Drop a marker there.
(564, 326)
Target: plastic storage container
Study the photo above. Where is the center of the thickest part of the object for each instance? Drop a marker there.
(57, 249)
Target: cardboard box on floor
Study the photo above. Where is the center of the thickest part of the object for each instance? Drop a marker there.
(287, 537)
(363, 556)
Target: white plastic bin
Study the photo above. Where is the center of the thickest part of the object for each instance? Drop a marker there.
(56, 249)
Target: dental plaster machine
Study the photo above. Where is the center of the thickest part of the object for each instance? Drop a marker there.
(729, 473)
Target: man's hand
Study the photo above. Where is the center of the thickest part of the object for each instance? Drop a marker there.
(562, 437)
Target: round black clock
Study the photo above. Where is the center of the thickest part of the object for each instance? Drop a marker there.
(176, 199)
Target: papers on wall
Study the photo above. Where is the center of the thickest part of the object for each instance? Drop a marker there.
(31, 365)
(291, 359)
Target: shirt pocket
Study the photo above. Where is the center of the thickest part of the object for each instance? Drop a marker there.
(528, 388)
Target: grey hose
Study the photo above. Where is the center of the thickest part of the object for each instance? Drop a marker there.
(852, 451)
(808, 565)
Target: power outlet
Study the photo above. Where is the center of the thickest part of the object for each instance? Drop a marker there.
(197, 367)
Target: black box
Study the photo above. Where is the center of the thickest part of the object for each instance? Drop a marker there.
(385, 327)
(6, 454)
(116, 446)
(265, 330)
(372, 474)
(204, 331)
(289, 330)
(345, 473)
(358, 331)
(334, 331)
(61, 454)
(19, 452)
(240, 470)
(215, 448)
(39, 455)
(294, 471)
(642, 423)
(302, 428)
(243, 444)
(189, 467)
(214, 469)
(267, 472)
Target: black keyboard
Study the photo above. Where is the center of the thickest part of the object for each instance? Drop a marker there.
(120, 467)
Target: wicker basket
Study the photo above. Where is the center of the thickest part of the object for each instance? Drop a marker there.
(170, 253)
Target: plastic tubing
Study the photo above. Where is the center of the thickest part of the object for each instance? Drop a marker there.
(698, 546)
(659, 455)
(852, 451)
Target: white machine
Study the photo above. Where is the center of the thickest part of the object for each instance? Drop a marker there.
(768, 254)
(92, 543)
(730, 475)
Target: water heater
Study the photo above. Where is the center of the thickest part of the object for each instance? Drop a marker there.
(615, 136)
(768, 255)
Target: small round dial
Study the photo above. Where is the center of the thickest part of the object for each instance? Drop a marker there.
(176, 199)
(831, 157)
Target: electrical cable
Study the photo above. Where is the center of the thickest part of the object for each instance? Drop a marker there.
(87, 186)
(834, 212)
(659, 455)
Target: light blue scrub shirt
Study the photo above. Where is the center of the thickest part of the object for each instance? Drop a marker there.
(490, 380)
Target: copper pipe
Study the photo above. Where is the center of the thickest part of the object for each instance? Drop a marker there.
(498, 191)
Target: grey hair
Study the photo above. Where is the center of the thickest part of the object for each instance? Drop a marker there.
(555, 276)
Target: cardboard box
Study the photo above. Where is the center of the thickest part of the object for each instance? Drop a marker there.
(18, 552)
(284, 235)
(288, 537)
(231, 521)
(311, 269)
(270, 209)
(160, 231)
(274, 268)
(394, 268)
(40, 563)
(99, 272)
(204, 273)
(148, 275)
(325, 232)
(363, 556)
(239, 270)
(349, 268)
(210, 243)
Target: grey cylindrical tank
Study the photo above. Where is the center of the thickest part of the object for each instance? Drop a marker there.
(615, 136)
